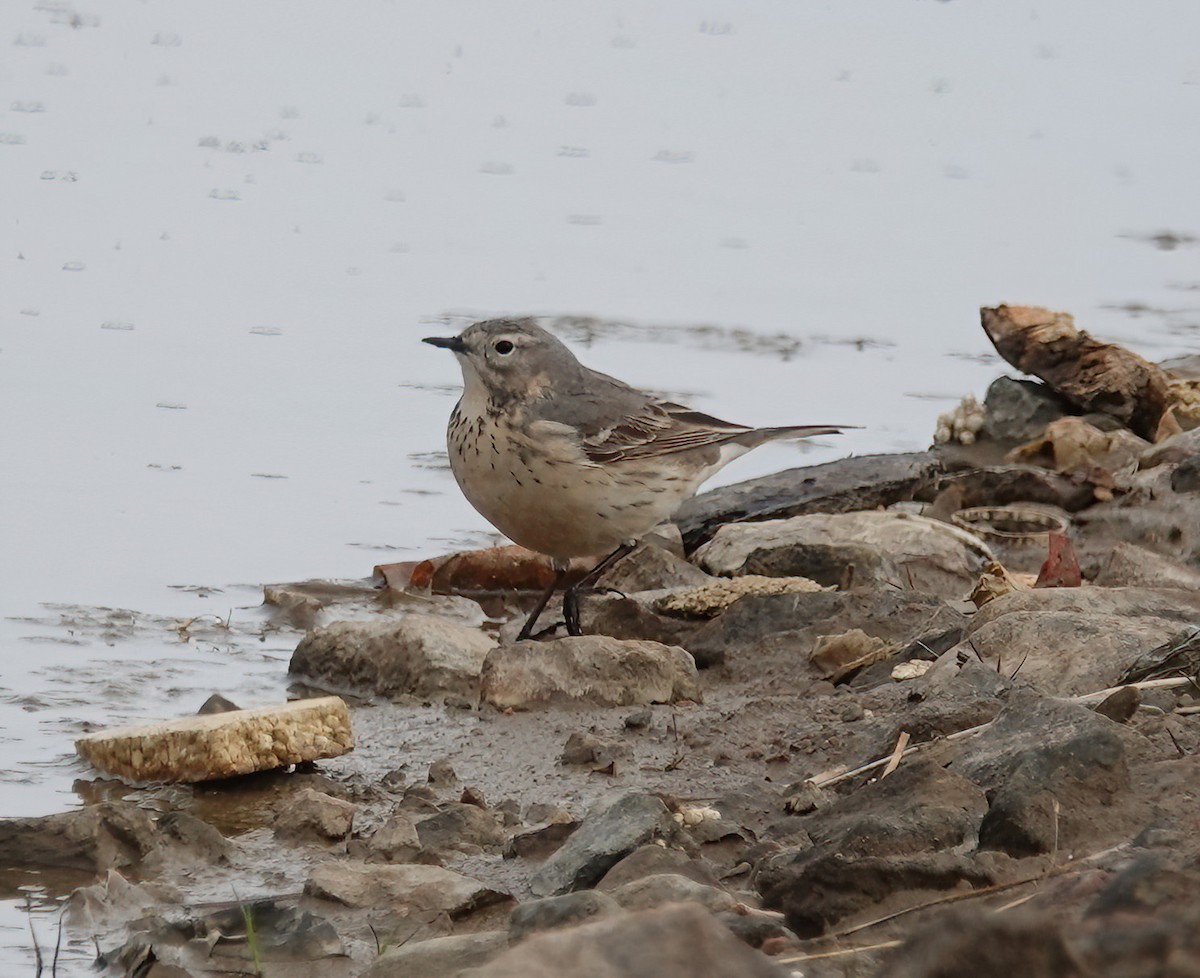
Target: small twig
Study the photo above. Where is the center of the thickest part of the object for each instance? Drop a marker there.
(826, 778)
(1096, 697)
(37, 948)
(1018, 669)
(1054, 846)
(1178, 748)
(897, 754)
(1187, 711)
(793, 958)
(679, 754)
(57, 942)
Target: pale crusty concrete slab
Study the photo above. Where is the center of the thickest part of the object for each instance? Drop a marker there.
(221, 745)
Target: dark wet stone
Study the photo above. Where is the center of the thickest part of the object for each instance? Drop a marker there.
(217, 704)
(823, 890)
(611, 830)
(1004, 485)
(1186, 477)
(857, 483)
(1017, 411)
(921, 807)
(554, 913)
(538, 842)
(1038, 751)
(1121, 705)
(984, 945)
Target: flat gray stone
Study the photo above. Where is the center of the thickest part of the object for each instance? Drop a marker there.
(415, 655)
(424, 887)
(438, 957)
(678, 941)
(589, 669)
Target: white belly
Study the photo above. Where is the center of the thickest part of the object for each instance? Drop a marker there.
(544, 497)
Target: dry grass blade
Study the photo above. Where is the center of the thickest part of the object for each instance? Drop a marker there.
(897, 754)
(841, 952)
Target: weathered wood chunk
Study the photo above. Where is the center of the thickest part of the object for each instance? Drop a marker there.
(202, 748)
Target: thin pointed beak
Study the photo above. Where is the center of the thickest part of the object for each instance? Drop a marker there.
(452, 343)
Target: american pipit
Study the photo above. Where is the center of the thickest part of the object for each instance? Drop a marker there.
(571, 462)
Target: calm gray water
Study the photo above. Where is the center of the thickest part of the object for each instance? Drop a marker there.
(226, 226)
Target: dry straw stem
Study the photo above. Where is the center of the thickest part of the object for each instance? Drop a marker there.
(897, 754)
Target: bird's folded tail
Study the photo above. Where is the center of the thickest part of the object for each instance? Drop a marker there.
(757, 436)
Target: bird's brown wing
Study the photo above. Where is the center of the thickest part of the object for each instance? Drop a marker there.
(659, 428)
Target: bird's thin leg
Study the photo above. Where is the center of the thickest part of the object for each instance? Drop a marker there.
(560, 573)
(571, 594)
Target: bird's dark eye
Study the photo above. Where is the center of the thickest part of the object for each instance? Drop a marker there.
(504, 347)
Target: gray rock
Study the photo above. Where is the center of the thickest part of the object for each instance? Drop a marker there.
(1168, 524)
(395, 841)
(899, 549)
(418, 655)
(617, 616)
(848, 484)
(589, 669)
(583, 747)
(1017, 411)
(538, 842)
(654, 891)
(1132, 566)
(654, 860)
(423, 887)
(461, 827)
(921, 807)
(650, 568)
(1069, 641)
(612, 829)
(557, 912)
(110, 835)
(313, 816)
(680, 941)
(1177, 448)
(1039, 750)
(438, 957)
(1186, 477)
(792, 623)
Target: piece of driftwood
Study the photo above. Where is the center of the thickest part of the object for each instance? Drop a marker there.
(221, 745)
(1092, 375)
(848, 484)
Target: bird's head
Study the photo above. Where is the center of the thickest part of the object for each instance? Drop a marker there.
(508, 358)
